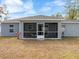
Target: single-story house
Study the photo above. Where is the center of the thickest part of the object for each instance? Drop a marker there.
(39, 27)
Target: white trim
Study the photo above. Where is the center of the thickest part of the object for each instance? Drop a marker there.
(52, 38)
(41, 19)
(40, 39)
(41, 31)
(22, 29)
(70, 23)
(9, 21)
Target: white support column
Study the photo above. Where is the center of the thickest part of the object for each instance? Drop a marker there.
(44, 29)
(59, 30)
(37, 29)
(21, 30)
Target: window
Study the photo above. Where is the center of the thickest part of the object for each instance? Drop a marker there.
(11, 30)
(30, 27)
(11, 25)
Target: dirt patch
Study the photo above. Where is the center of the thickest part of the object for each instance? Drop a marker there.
(12, 48)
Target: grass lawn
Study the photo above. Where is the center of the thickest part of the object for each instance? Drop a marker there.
(12, 48)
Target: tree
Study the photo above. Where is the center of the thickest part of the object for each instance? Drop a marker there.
(59, 15)
(3, 12)
(72, 8)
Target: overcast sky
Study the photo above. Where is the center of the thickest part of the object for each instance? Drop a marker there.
(22, 8)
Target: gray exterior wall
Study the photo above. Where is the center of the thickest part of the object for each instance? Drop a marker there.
(5, 29)
(71, 29)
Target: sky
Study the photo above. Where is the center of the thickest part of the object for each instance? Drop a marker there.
(22, 8)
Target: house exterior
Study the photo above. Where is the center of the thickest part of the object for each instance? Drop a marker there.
(9, 28)
(39, 27)
(71, 28)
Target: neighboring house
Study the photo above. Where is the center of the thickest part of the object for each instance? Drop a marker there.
(39, 27)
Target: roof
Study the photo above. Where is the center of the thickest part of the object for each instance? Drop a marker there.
(9, 21)
(69, 21)
(40, 17)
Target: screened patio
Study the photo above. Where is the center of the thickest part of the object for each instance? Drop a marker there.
(30, 30)
(51, 30)
(33, 30)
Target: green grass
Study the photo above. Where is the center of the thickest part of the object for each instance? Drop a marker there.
(70, 55)
(12, 48)
(3, 38)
